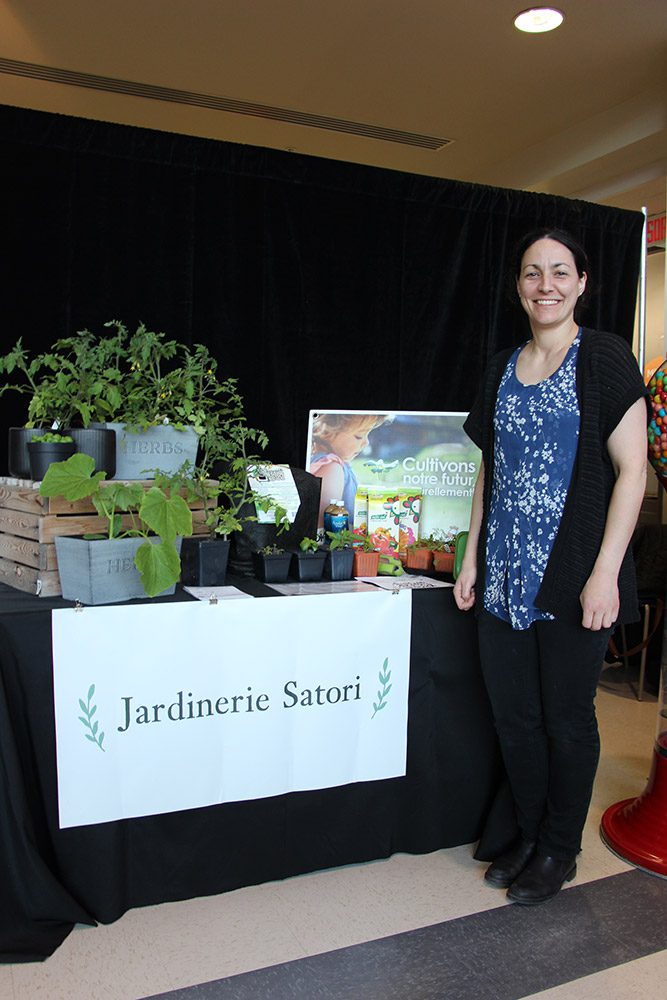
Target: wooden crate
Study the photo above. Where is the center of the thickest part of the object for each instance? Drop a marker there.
(29, 523)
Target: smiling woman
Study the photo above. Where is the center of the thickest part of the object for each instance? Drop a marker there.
(562, 426)
(551, 279)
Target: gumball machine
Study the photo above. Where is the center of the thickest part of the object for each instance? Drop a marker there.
(636, 829)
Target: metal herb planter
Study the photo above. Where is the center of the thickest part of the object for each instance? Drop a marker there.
(139, 452)
(102, 571)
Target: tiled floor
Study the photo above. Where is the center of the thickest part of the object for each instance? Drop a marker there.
(582, 946)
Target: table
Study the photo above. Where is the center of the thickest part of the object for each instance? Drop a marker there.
(51, 879)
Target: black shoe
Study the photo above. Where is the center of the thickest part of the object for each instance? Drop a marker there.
(505, 869)
(541, 879)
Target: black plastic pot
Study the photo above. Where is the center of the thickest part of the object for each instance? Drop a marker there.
(338, 565)
(271, 568)
(43, 453)
(204, 561)
(307, 566)
(99, 443)
(18, 459)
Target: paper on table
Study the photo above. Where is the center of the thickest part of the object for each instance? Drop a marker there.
(407, 582)
(217, 593)
(323, 587)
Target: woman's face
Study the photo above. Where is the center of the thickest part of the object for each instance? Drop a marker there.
(347, 444)
(548, 284)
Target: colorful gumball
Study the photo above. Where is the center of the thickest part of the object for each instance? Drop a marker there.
(657, 429)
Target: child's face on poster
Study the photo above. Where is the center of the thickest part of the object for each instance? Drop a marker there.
(348, 444)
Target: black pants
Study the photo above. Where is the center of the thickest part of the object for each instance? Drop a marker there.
(541, 682)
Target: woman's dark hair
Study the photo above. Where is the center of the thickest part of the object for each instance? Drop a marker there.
(560, 236)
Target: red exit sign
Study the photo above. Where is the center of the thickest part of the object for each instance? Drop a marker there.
(655, 231)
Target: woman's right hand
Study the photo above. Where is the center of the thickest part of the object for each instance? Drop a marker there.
(464, 588)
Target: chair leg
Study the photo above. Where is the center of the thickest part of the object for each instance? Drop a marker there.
(639, 691)
(624, 650)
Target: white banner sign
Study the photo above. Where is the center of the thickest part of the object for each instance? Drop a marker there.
(175, 706)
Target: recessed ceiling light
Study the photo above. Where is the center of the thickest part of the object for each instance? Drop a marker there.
(538, 19)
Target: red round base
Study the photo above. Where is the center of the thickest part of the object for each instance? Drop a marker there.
(636, 829)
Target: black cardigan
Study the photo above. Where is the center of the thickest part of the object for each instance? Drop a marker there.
(608, 382)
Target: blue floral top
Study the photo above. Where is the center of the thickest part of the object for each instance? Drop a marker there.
(536, 434)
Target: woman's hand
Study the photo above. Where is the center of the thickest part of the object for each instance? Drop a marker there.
(627, 450)
(599, 601)
(464, 588)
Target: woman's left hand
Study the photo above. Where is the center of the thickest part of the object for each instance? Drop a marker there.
(599, 601)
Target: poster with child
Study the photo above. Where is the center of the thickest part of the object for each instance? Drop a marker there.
(401, 475)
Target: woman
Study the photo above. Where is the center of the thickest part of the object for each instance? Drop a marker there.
(561, 422)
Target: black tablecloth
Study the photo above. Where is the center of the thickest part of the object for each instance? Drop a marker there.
(51, 879)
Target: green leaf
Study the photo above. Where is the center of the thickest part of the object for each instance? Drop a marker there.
(386, 691)
(91, 738)
(83, 706)
(101, 738)
(85, 721)
(381, 706)
(93, 710)
(72, 479)
(91, 691)
(159, 566)
(95, 728)
(166, 516)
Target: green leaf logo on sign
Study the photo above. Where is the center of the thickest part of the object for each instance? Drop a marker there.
(383, 677)
(95, 734)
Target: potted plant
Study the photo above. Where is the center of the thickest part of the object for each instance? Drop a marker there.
(340, 555)
(366, 557)
(308, 561)
(45, 448)
(443, 553)
(66, 385)
(271, 564)
(419, 555)
(228, 503)
(173, 402)
(138, 556)
(22, 374)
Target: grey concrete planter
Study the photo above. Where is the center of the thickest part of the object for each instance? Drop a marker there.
(101, 571)
(139, 453)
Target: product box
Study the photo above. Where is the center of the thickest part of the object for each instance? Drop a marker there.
(359, 516)
(409, 515)
(383, 520)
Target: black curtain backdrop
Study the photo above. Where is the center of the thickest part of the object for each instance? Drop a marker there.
(317, 283)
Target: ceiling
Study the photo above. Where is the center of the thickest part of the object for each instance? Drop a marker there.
(580, 112)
